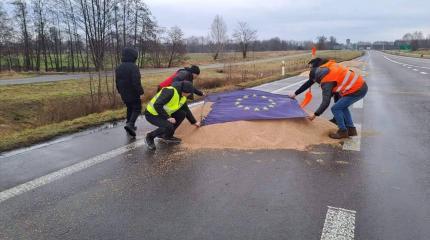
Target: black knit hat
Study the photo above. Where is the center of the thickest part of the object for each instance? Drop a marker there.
(184, 86)
(194, 69)
(187, 87)
(316, 62)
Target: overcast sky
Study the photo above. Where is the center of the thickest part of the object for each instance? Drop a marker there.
(364, 20)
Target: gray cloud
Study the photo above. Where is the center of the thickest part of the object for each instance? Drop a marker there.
(300, 20)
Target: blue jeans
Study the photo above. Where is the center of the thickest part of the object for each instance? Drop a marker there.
(340, 109)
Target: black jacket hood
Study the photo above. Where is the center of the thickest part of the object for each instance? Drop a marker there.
(129, 55)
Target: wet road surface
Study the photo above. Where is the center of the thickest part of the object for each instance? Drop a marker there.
(379, 191)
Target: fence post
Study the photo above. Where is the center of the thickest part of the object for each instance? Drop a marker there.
(283, 68)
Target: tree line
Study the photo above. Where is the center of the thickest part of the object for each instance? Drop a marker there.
(416, 40)
(88, 35)
(82, 35)
(244, 39)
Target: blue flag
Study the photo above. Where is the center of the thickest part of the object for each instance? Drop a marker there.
(251, 104)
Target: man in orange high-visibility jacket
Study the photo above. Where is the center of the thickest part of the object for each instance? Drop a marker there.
(335, 79)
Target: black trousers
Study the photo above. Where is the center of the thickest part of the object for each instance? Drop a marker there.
(134, 108)
(165, 127)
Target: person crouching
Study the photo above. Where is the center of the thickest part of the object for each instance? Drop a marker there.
(166, 110)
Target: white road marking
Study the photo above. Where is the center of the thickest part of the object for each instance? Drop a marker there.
(49, 178)
(339, 224)
(353, 143)
(358, 104)
(416, 70)
(41, 181)
(292, 85)
(409, 65)
(423, 73)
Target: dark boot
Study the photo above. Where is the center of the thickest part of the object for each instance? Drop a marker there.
(352, 131)
(130, 129)
(339, 134)
(149, 140)
(333, 120)
(171, 139)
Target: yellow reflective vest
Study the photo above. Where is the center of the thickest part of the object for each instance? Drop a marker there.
(175, 103)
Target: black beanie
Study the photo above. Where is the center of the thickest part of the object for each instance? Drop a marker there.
(194, 69)
(187, 87)
(184, 86)
(316, 62)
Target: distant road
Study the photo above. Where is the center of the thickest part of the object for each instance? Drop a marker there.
(63, 77)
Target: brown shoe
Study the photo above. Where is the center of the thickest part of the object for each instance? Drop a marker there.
(339, 134)
(352, 131)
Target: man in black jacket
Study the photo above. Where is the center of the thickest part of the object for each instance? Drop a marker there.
(130, 88)
(189, 74)
(167, 110)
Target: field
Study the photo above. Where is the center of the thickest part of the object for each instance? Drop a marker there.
(417, 54)
(206, 58)
(35, 112)
(190, 58)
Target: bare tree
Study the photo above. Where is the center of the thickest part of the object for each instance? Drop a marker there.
(156, 48)
(244, 35)
(332, 42)
(175, 45)
(21, 14)
(39, 8)
(147, 31)
(322, 42)
(218, 35)
(5, 38)
(407, 37)
(417, 35)
(96, 19)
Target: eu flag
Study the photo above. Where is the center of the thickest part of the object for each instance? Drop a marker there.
(251, 104)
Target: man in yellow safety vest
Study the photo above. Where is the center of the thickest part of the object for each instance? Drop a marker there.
(166, 110)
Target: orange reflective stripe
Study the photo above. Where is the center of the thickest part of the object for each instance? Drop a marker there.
(344, 81)
(354, 80)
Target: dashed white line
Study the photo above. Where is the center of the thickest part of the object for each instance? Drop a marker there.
(403, 64)
(416, 70)
(339, 224)
(41, 181)
(423, 73)
(353, 143)
(292, 85)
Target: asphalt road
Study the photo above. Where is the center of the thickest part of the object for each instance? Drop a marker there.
(71, 76)
(101, 185)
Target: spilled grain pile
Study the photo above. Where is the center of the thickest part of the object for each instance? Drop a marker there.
(262, 134)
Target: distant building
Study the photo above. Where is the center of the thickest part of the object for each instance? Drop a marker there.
(383, 45)
(364, 45)
(348, 44)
